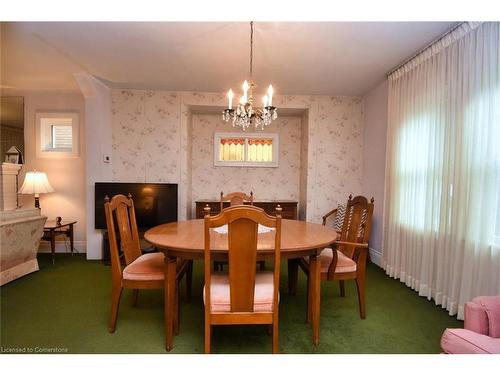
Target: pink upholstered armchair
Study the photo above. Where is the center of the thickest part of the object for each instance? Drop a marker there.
(481, 333)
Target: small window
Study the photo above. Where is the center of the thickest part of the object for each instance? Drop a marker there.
(57, 134)
(232, 149)
(62, 137)
(260, 150)
(249, 150)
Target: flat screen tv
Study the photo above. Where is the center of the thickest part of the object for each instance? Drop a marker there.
(154, 204)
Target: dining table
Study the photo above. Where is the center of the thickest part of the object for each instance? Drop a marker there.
(185, 240)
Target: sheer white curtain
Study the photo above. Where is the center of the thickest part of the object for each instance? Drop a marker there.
(442, 214)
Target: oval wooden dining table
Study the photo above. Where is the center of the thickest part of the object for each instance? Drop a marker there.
(184, 239)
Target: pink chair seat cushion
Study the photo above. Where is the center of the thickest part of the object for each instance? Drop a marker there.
(148, 267)
(463, 341)
(491, 307)
(220, 297)
(344, 263)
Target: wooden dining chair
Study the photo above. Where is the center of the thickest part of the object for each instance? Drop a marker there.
(141, 271)
(243, 295)
(235, 198)
(346, 259)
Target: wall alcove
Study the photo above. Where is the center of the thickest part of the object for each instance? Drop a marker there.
(153, 141)
(287, 181)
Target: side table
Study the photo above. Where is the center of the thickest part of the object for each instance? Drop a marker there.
(52, 229)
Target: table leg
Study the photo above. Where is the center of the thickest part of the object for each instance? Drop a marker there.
(176, 310)
(71, 238)
(309, 294)
(169, 300)
(315, 296)
(293, 274)
(53, 245)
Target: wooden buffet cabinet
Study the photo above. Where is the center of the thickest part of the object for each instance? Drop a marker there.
(290, 210)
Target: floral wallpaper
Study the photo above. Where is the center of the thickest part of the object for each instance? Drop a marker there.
(154, 141)
(338, 147)
(304, 140)
(266, 183)
(145, 131)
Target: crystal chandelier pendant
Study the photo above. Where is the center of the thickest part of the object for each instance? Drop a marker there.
(245, 113)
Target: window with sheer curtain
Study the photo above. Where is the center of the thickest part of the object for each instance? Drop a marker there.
(442, 217)
(497, 228)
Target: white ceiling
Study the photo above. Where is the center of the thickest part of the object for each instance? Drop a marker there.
(344, 58)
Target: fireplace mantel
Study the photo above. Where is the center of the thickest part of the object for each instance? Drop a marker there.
(8, 183)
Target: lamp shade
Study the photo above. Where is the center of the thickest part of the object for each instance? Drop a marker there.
(36, 183)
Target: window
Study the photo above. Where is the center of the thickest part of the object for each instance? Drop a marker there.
(417, 167)
(248, 150)
(232, 149)
(440, 171)
(62, 137)
(57, 134)
(496, 238)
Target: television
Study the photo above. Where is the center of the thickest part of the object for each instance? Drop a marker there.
(154, 204)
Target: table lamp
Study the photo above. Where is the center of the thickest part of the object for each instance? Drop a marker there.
(36, 183)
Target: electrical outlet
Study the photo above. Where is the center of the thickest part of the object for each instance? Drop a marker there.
(106, 158)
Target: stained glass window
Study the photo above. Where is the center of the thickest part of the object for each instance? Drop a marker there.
(232, 149)
(252, 150)
(260, 150)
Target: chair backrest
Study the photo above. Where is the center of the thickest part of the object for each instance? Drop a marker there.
(482, 315)
(242, 222)
(120, 214)
(357, 222)
(235, 198)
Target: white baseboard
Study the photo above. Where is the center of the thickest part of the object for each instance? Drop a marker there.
(80, 247)
(376, 256)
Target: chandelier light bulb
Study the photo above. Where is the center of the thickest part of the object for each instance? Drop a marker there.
(270, 92)
(230, 96)
(264, 101)
(245, 87)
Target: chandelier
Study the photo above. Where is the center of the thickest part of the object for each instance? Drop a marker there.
(245, 113)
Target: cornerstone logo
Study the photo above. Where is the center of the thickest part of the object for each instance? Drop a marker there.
(32, 349)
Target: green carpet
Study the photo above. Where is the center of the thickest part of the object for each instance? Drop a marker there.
(67, 305)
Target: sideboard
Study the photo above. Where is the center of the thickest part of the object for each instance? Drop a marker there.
(289, 207)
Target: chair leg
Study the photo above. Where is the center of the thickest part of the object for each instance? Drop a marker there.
(309, 300)
(293, 275)
(360, 285)
(342, 288)
(176, 310)
(275, 337)
(189, 281)
(135, 297)
(208, 336)
(218, 266)
(115, 304)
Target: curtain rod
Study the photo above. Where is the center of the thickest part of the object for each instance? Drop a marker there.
(421, 50)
